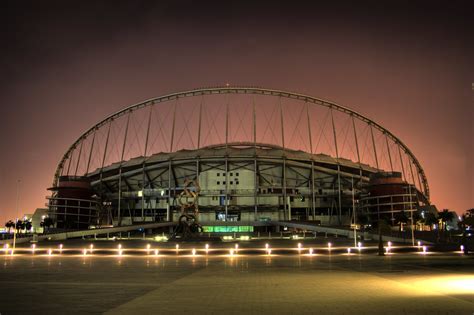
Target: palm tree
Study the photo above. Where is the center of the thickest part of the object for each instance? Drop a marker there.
(19, 225)
(430, 219)
(28, 226)
(445, 216)
(417, 220)
(401, 218)
(363, 219)
(46, 223)
(10, 225)
(468, 221)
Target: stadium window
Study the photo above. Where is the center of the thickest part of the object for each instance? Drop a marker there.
(237, 174)
(218, 174)
(231, 174)
(223, 183)
(218, 182)
(237, 182)
(231, 182)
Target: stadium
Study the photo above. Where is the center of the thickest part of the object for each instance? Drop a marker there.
(236, 155)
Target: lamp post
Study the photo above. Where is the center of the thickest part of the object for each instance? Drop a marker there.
(17, 206)
(381, 252)
(354, 211)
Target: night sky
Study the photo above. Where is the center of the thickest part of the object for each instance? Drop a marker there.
(67, 64)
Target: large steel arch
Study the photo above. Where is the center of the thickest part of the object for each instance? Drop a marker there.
(245, 90)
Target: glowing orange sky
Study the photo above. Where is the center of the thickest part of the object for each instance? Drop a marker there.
(410, 72)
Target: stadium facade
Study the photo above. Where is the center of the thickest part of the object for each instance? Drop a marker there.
(238, 154)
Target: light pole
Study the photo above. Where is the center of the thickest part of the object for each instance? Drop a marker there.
(354, 211)
(411, 215)
(17, 206)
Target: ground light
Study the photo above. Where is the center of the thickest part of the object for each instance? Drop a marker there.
(299, 248)
(156, 252)
(267, 248)
(194, 251)
(231, 252)
(91, 248)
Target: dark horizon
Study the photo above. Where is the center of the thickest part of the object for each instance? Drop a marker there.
(67, 66)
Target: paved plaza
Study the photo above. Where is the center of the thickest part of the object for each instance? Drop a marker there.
(401, 283)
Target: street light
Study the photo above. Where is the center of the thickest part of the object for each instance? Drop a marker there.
(17, 206)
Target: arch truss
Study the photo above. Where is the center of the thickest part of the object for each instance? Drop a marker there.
(232, 116)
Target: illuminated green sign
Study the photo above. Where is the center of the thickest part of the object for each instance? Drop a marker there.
(228, 229)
